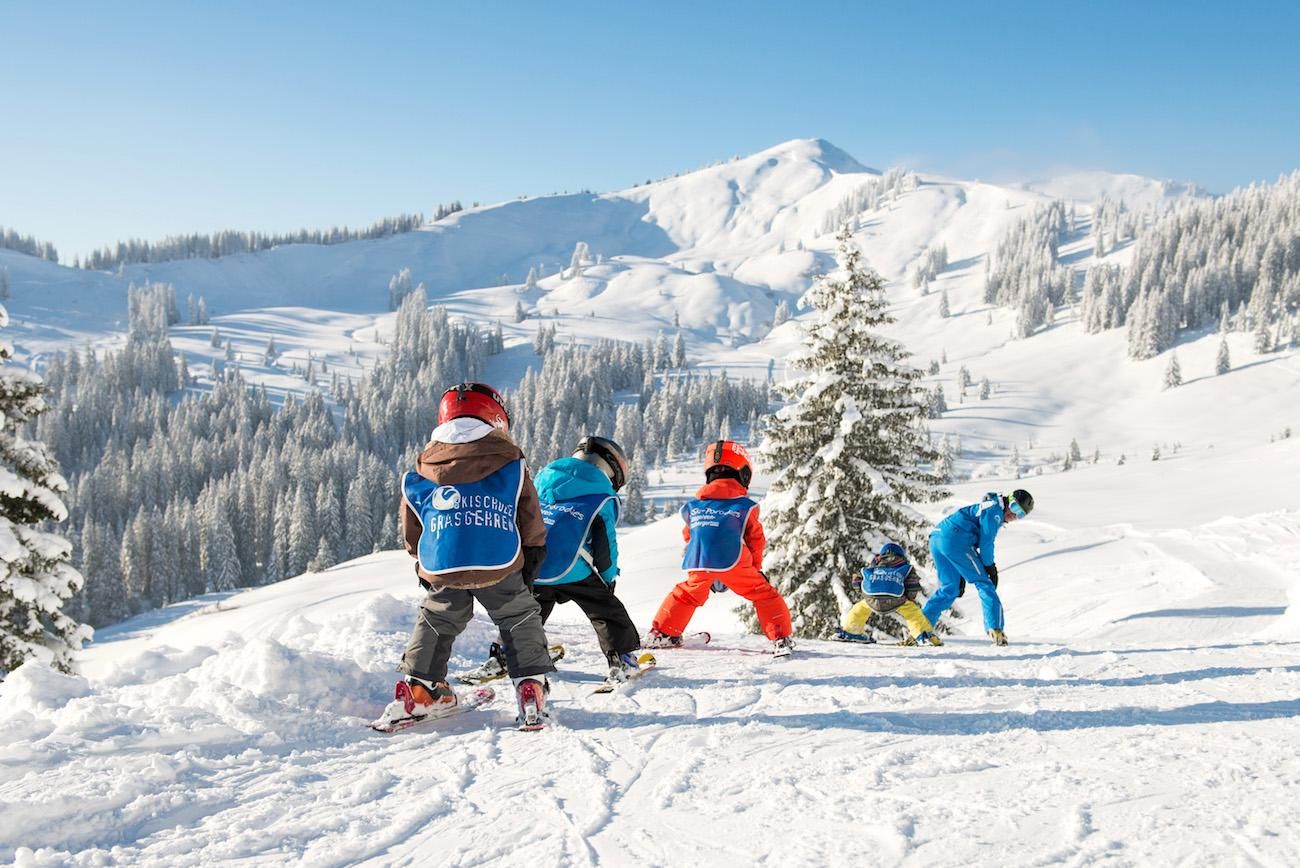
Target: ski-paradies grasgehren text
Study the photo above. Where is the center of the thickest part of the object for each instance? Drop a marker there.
(476, 510)
(707, 516)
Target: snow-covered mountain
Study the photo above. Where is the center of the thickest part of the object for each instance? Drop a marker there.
(717, 247)
(712, 252)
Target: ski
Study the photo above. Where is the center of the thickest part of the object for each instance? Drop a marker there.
(864, 641)
(470, 701)
(689, 640)
(492, 670)
(644, 664)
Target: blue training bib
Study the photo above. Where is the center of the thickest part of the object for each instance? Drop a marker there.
(717, 533)
(469, 525)
(885, 580)
(567, 525)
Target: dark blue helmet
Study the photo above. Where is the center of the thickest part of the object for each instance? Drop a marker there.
(890, 554)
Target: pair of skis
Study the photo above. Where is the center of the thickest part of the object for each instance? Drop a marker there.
(699, 640)
(531, 718)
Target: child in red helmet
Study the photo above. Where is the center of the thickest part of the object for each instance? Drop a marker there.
(724, 547)
(471, 518)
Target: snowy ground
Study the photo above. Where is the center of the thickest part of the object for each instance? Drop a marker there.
(1145, 714)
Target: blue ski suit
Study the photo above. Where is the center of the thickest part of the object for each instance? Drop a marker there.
(962, 546)
(568, 479)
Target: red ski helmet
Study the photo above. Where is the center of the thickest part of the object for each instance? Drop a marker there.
(476, 400)
(729, 453)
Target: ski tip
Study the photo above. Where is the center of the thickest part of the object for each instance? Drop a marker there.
(646, 660)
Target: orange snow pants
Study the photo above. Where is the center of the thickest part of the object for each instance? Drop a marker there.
(677, 608)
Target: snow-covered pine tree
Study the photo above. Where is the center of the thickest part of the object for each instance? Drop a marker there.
(1173, 372)
(679, 351)
(634, 505)
(936, 403)
(850, 453)
(1222, 361)
(35, 576)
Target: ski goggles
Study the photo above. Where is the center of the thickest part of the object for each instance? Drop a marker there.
(1016, 509)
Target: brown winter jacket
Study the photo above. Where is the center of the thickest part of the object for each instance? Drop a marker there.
(450, 463)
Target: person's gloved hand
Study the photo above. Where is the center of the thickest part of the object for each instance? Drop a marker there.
(718, 586)
(992, 570)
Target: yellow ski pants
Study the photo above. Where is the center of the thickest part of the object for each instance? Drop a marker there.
(856, 619)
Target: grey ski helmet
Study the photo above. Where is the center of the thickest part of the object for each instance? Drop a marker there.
(606, 455)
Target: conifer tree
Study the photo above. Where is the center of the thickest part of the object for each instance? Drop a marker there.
(633, 509)
(36, 578)
(1222, 362)
(849, 454)
(222, 557)
(1173, 373)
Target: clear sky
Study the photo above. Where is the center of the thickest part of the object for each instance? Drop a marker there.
(142, 119)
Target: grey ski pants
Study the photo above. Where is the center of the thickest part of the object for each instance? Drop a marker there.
(445, 612)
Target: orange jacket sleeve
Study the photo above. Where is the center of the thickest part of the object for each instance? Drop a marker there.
(755, 539)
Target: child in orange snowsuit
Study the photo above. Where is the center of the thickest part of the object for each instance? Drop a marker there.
(724, 547)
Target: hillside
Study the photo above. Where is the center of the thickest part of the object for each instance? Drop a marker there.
(713, 251)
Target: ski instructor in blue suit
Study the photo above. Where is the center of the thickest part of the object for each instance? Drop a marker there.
(962, 548)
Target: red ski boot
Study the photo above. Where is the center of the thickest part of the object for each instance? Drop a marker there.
(531, 691)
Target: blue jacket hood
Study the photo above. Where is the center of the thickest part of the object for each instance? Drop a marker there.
(567, 478)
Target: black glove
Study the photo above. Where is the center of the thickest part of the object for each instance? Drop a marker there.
(717, 586)
(992, 570)
(533, 557)
(961, 589)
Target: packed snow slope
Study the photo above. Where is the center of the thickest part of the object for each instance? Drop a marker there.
(1145, 713)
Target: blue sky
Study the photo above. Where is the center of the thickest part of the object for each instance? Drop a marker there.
(144, 119)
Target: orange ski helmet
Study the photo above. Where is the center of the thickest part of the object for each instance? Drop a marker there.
(477, 400)
(729, 453)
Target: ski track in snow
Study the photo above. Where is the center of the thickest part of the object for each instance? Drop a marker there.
(841, 755)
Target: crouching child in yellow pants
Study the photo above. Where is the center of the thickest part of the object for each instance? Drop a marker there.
(891, 585)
